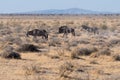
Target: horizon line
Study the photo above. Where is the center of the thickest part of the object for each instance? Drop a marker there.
(101, 12)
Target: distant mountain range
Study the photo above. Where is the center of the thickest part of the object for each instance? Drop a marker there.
(66, 11)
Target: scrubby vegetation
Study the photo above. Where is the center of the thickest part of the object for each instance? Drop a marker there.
(28, 48)
(86, 56)
(10, 55)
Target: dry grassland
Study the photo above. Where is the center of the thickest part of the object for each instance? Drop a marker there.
(86, 56)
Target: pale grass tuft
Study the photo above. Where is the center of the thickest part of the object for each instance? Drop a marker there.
(30, 70)
(66, 69)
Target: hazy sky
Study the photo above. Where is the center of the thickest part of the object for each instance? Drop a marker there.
(9, 6)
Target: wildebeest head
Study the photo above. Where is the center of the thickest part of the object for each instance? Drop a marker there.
(62, 29)
(73, 31)
(46, 36)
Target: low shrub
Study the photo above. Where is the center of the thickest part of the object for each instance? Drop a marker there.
(55, 42)
(116, 57)
(66, 69)
(106, 51)
(10, 55)
(83, 51)
(30, 70)
(28, 47)
(114, 42)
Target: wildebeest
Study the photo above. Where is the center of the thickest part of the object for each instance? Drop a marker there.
(66, 30)
(90, 29)
(37, 32)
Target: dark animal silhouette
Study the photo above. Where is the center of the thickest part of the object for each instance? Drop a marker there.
(37, 32)
(90, 29)
(66, 30)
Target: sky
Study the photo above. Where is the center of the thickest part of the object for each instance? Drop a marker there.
(13, 6)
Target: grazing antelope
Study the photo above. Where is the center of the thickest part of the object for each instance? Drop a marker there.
(66, 30)
(37, 32)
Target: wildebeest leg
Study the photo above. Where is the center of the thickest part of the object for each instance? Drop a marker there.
(66, 34)
(27, 34)
(63, 34)
(87, 31)
(73, 33)
(97, 32)
(35, 38)
(42, 37)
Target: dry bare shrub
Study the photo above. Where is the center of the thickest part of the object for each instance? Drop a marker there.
(70, 22)
(67, 47)
(5, 31)
(28, 48)
(7, 48)
(30, 70)
(39, 78)
(84, 41)
(116, 57)
(105, 51)
(17, 40)
(93, 62)
(56, 53)
(60, 52)
(73, 43)
(85, 24)
(54, 56)
(113, 28)
(18, 29)
(66, 69)
(101, 72)
(55, 42)
(1, 24)
(74, 54)
(55, 23)
(8, 38)
(13, 39)
(83, 51)
(114, 42)
(104, 27)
